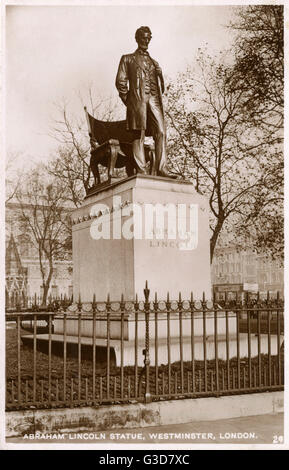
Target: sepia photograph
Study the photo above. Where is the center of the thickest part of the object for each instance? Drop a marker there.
(143, 227)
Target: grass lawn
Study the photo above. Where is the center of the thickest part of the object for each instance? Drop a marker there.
(164, 381)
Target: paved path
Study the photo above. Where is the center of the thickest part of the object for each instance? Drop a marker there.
(263, 429)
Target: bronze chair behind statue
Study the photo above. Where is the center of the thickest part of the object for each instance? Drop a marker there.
(111, 147)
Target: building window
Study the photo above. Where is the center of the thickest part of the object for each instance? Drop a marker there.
(250, 270)
(70, 291)
(54, 291)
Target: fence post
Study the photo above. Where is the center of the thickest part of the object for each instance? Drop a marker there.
(7, 304)
(147, 398)
(79, 308)
(18, 304)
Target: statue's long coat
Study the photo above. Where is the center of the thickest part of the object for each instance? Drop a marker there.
(131, 71)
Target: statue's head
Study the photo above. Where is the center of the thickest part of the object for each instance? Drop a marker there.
(143, 36)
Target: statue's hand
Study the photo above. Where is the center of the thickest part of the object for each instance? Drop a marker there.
(160, 75)
(162, 83)
(124, 99)
(158, 70)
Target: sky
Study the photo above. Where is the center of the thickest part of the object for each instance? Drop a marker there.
(54, 52)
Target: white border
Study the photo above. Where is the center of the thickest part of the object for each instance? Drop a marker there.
(114, 447)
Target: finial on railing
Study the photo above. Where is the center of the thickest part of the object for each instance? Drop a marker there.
(168, 302)
(204, 304)
(146, 292)
(247, 297)
(79, 304)
(180, 303)
(93, 305)
(136, 303)
(226, 299)
(64, 306)
(278, 297)
(156, 305)
(122, 302)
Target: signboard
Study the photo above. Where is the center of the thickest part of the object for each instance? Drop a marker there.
(250, 287)
(228, 287)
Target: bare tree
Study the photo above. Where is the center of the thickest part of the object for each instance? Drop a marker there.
(72, 172)
(213, 146)
(44, 215)
(71, 165)
(264, 223)
(13, 175)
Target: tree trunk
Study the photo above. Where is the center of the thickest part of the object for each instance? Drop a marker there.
(45, 294)
(46, 284)
(214, 239)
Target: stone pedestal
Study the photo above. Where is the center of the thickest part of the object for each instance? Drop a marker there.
(117, 246)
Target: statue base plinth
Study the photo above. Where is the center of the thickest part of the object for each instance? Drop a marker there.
(115, 264)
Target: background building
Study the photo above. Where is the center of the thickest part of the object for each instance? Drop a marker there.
(23, 274)
(237, 269)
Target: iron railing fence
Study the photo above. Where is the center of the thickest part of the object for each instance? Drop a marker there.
(19, 302)
(114, 352)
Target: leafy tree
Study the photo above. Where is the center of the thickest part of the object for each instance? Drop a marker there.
(259, 63)
(259, 74)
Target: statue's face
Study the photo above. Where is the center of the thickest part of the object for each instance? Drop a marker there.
(144, 40)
